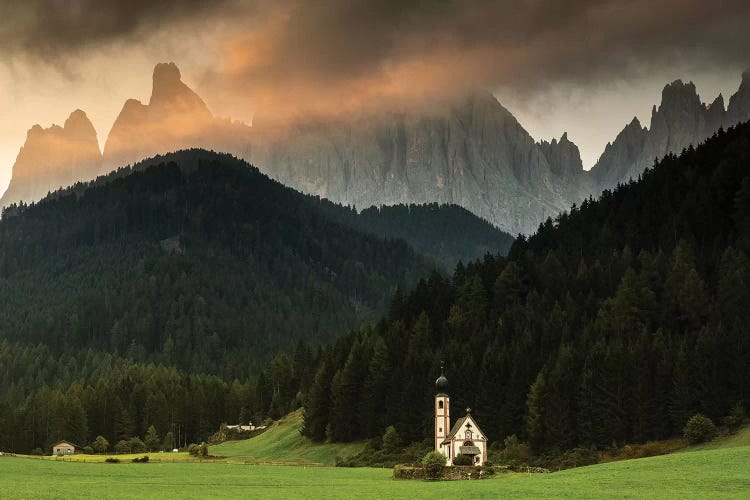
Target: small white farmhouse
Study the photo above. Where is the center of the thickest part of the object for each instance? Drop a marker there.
(465, 437)
(63, 448)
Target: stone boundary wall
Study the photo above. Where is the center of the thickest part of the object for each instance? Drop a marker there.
(453, 473)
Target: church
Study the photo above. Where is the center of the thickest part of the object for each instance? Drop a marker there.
(465, 437)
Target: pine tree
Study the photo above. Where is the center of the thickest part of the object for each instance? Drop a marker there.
(151, 439)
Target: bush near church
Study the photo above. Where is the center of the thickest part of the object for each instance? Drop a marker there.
(433, 462)
(463, 460)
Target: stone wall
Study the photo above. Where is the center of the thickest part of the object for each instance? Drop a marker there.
(446, 474)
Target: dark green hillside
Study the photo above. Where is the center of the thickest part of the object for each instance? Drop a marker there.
(210, 267)
(449, 233)
(446, 233)
(614, 323)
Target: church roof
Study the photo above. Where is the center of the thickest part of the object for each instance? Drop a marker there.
(458, 425)
(454, 430)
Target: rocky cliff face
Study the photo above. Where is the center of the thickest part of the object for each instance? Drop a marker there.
(475, 154)
(739, 104)
(680, 120)
(54, 157)
(175, 118)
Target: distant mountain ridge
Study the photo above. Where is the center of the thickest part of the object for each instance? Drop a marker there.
(471, 152)
(680, 120)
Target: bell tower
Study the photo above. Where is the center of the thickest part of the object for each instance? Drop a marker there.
(442, 413)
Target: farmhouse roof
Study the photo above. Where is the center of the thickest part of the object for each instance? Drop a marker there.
(65, 442)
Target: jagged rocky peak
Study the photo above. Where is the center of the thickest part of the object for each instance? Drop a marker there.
(79, 126)
(619, 156)
(678, 99)
(54, 157)
(563, 156)
(174, 118)
(169, 91)
(717, 104)
(679, 94)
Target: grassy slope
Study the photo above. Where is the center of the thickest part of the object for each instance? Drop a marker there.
(709, 473)
(283, 443)
(741, 438)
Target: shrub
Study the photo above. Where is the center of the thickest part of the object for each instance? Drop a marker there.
(735, 419)
(375, 443)
(391, 440)
(463, 460)
(203, 450)
(112, 460)
(433, 463)
(194, 449)
(514, 451)
(578, 457)
(122, 446)
(136, 445)
(141, 460)
(100, 444)
(88, 450)
(699, 428)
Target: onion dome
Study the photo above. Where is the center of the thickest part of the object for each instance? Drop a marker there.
(441, 384)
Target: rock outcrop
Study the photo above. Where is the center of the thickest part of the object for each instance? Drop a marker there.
(54, 157)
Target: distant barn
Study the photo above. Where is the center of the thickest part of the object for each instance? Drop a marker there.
(63, 448)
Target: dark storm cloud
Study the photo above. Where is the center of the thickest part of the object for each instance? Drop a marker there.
(56, 27)
(336, 53)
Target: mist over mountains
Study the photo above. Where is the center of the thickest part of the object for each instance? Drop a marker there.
(471, 152)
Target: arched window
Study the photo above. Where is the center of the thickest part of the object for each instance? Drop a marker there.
(468, 434)
(440, 405)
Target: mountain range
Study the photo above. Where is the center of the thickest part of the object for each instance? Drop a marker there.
(472, 152)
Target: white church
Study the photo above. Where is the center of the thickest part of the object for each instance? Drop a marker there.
(465, 437)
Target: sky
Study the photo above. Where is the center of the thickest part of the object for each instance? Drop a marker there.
(579, 66)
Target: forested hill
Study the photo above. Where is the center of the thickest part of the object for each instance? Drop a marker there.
(614, 323)
(211, 267)
(448, 233)
(444, 232)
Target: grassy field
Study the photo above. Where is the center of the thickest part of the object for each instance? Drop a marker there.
(283, 443)
(707, 473)
(127, 457)
(741, 438)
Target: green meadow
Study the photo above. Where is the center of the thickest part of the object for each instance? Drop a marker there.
(716, 473)
(283, 443)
